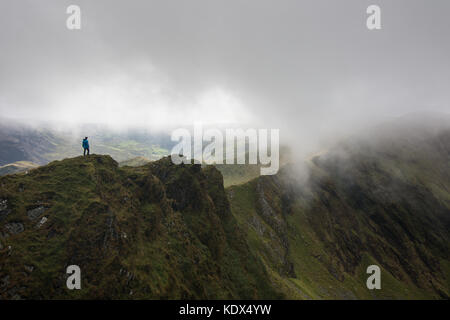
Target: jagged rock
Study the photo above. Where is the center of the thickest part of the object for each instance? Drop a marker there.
(346, 295)
(3, 204)
(4, 282)
(4, 211)
(12, 293)
(267, 211)
(28, 268)
(111, 233)
(36, 212)
(14, 227)
(257, 225)
(40, 223)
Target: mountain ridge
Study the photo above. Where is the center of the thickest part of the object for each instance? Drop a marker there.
(158, 231)
(359, 204)
(165, 231)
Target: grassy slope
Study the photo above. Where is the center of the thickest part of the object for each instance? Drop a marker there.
(158, 231)
(376, 205)
(236, 174)
(165, 231)
(135, 162)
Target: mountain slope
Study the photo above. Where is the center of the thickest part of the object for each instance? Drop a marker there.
(166, 231)
(42, 144)
(135, 162)
(386, 203)
(16, 167)
(18, 143)
(157, 231)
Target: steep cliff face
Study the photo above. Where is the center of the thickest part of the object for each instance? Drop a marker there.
(385, 203)
(157, 231)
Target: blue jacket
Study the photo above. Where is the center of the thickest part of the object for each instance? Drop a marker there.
(85, 144)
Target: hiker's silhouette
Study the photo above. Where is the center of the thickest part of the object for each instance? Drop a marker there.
(85, 145)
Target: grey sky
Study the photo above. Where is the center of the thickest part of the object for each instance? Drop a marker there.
(294, 65)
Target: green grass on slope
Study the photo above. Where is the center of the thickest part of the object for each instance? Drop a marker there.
(135, 162)
(154, 232)
(385, 208)
(313, 280)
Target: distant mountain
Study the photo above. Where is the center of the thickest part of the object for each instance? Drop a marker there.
(236, 174)
(21, 143)
(17, 167)
(42, 144)
(135, 162)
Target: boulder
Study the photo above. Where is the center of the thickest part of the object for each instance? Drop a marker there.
(36, 212)
(3, 209)
(14, 227)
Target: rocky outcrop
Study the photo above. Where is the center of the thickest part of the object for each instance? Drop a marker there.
(150, 232)
(36, 212)
(14, 228)
(4, 210)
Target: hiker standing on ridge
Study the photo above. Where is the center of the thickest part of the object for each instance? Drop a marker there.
(85, 146)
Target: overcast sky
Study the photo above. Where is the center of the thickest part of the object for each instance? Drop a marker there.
(294, 65)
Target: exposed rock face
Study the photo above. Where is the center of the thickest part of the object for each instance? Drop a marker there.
(41, 222)
(4, 211)
(3, 205)
(360, 205)
(4, 281)
(157, 231)
(28, 268)
(36, 212)
(275, 219)
(14, 227)
(167, 231)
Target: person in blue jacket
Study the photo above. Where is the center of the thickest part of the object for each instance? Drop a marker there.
(85, 146)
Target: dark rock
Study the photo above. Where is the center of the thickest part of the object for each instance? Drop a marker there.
(4, 282)
(4, 211)
(3, 204)
(12, 293)
(28, 268)
(14, 227)
(36, 212)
